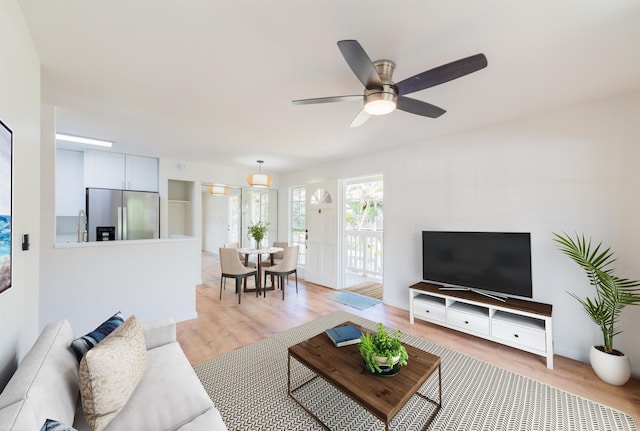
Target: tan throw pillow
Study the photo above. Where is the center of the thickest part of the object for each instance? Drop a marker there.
(110, 372)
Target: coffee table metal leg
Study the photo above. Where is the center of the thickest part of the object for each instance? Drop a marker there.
(437, 404)
(291, 391)
(288, 373)
(440, 384)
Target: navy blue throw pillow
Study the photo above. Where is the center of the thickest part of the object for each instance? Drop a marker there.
(51, 425)
(82, 345)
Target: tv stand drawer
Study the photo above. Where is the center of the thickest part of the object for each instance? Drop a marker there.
(468, 319)
(429, 308)
(519, 335)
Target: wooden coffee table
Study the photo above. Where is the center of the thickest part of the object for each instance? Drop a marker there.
(343, 368)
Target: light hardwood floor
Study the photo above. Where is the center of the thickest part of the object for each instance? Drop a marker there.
(223, 326)
(371, 289)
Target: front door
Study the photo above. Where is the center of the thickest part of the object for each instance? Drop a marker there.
(322, 234)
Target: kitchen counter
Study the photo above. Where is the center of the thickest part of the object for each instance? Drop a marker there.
(116, 243)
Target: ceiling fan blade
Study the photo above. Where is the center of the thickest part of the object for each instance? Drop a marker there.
(442, 74)
(354, 98)
(360, 119)
(360, 63)
(419, 107)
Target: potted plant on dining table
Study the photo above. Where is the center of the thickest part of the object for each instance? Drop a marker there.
(258, 231)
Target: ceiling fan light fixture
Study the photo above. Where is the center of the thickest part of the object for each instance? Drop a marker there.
(380, 103)
(259, 180)
(381, 92)
(218, 190)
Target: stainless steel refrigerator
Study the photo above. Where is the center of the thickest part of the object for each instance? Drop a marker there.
(114, 215)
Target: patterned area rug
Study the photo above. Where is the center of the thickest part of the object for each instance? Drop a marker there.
(354, 300)
(249, 387)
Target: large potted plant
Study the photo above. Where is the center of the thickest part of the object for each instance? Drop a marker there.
(258, 231)
(381, 352)
(612, 294)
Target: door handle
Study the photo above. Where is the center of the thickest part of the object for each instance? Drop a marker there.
(119, 227)
(125, 233)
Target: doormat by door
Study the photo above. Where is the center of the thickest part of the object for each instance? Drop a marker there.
(354, 300)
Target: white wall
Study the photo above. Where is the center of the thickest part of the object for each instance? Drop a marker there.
(571, 170)
(150, 279)
(20, 111)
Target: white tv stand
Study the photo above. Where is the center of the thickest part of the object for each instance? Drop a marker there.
(522, 324)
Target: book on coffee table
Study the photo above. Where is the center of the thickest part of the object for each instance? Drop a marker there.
(344, 335)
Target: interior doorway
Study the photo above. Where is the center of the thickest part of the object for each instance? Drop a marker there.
(221, 220)
(363, 226)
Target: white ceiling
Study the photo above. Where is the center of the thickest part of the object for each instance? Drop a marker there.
(213, 81)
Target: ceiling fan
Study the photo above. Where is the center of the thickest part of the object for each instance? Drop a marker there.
(382, 95)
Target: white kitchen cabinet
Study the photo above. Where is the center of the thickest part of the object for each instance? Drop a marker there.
(103, 169)
(70, 196)
(141, 173)
(107, 170)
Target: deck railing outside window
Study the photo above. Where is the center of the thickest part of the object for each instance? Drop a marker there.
(363, 251)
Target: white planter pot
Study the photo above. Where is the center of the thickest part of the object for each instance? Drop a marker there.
(615, 370)
(382, 360)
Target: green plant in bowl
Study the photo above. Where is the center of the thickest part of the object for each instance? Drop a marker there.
(382, 350)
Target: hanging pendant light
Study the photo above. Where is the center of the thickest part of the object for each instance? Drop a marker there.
(218, 190)
(259, 179)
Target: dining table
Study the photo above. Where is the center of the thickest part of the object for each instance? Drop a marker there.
(258, 252)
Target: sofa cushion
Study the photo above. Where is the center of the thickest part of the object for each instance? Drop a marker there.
(159, 332)
(169, 396)
(45, 385)
(18, 416)
(82, 345)
(110, 372)
(210, 421)
(53, 425)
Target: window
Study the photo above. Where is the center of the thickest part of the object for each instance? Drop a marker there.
(321, 196)
(233, 218)
(298, 224)
(264, 207)
(258, 210)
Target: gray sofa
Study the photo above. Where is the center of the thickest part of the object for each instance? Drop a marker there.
(46, 386)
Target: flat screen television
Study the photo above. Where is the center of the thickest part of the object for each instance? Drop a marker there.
(498, 262)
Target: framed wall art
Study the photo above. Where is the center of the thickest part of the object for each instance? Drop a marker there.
(6, 177)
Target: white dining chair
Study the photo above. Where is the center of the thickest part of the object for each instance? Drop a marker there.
(289, 265)
(232, 268)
